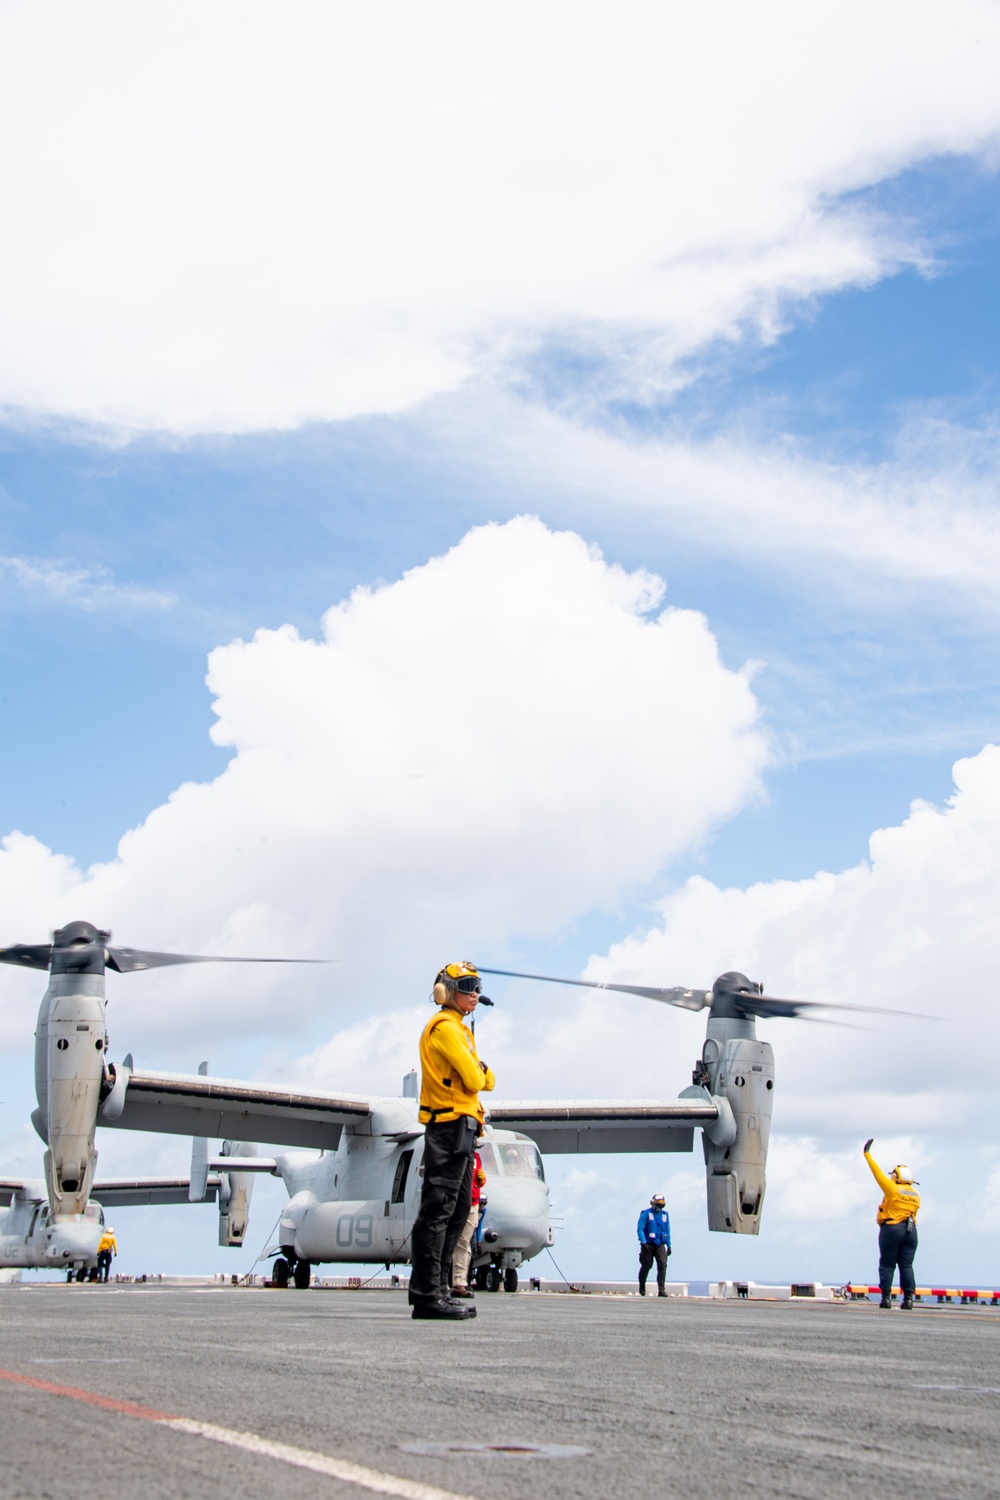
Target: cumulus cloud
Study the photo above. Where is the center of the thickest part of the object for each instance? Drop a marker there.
(506, 738)
(912, 929)
(234, 221)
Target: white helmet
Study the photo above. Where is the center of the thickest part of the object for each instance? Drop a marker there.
(903, 1174)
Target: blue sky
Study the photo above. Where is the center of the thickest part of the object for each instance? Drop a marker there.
(763, 369)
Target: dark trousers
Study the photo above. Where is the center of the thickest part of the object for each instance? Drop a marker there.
(897, 1245)
(103, 1264)
(647, 1254)
(444, 1206)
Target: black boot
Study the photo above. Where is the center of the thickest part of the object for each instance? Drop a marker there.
(661, 1291)
(449, 1310)
(642, 1289)
(907, 1301)
(886, 1301)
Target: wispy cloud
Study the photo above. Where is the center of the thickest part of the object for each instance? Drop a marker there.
(89, 589)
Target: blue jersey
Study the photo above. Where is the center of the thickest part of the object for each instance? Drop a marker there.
(654, 1227)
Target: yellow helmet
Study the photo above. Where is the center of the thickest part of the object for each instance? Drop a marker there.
(463, 977)
(903, 1174)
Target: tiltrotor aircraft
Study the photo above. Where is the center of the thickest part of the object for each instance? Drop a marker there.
(356, 1199)
(33, 1237)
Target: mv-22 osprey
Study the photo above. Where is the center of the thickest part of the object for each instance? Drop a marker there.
(354, 1199)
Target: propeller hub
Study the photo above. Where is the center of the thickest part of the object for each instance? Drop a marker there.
(730, 994)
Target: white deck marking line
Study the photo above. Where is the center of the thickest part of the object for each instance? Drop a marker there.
(300, 1458)
(319, 1463)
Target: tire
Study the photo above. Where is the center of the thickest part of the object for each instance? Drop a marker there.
(479, 1278)
(491, 1281)
(302, 1275)
(280, 1272)
(510, 1279)
(81, 1274)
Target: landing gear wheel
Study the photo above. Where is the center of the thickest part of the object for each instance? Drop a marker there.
(302, 1275)
(280, 1272)
(479, 1278)
(510, 1279)
(81, 1275)
(492, 1279)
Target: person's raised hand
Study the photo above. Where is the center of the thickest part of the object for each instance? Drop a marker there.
(868, 1144)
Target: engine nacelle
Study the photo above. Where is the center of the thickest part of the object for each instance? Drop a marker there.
(738, 1071)
(235, 1192)
(69, 1078)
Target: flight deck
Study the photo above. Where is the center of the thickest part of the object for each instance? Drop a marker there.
(163, 1391)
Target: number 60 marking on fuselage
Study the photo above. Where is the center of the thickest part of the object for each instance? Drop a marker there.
(355, 1231)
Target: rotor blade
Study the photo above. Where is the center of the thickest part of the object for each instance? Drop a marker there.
(129, 960)
(37, 956)
(766, 1006)
(676, 995)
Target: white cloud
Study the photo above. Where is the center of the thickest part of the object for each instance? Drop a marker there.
(503, 740)
(911, 929)
(237, 220)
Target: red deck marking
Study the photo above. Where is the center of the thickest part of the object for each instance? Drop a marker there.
(92, 1398)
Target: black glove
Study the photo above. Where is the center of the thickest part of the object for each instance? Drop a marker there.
(868, 1144)
(669, 1252)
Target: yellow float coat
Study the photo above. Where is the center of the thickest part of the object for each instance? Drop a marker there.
(451, 1074)
(901, 1201)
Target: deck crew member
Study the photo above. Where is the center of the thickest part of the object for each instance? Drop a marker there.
(463, 1250)
(451, 1076)
(654, 1243)
(897, 1232)
(106, 1249)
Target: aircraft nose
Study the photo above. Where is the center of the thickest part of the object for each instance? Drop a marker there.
(72, 1242)
(517, 1212)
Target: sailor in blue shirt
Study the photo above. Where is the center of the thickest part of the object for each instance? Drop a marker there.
(654, 1243)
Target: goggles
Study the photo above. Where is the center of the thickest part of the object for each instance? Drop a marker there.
(469, 984)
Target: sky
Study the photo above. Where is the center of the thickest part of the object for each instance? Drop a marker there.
(527, 492)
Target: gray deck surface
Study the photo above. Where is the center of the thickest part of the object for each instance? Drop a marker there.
(694, 1399)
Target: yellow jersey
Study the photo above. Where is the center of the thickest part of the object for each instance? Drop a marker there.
(451, 1074)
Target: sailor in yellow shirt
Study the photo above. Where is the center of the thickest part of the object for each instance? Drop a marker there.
(451, 1076)
(897, 1232)
(107, 1247)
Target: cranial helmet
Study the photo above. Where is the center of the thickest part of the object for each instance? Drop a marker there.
(463, 977)
(657, 1201)
(902, 1174)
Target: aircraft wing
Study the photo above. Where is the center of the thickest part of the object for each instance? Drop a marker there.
(559, 1126)
(10, 1187)
(124, 1192)
(217, 1108)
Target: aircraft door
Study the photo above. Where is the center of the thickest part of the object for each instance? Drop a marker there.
(402, 1190)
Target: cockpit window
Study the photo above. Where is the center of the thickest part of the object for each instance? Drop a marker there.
(487, 1158)
(521, 1161)
(94, 1211)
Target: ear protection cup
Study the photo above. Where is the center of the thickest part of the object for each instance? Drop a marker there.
(439, 994)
